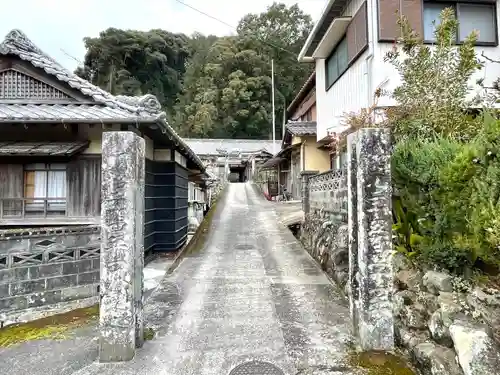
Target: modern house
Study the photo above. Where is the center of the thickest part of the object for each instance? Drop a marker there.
(300, 150)
(351, 38)
(235, 159)
(52, 123)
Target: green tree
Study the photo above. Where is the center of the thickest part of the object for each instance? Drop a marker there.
(129, 62)
(227, 86)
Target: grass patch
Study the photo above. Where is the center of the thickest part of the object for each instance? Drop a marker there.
(53, 327)
(149, 334)
(380, 363)
(199, 238)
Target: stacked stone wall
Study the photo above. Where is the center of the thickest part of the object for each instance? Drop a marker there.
(446, 324)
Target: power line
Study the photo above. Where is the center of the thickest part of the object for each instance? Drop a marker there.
(72, 57)
(231, 26)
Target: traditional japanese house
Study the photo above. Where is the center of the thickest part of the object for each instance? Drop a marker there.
(51, 125)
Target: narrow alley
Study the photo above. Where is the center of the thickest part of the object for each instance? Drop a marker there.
(251, 294)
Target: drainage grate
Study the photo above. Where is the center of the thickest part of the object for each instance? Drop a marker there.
(256, 368)
(244, 247)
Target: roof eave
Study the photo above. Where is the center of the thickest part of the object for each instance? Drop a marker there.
(109, 121)
(302, 55)
(308, 86)
(178, 141)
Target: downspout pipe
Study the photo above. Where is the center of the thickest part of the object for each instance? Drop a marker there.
(369, 57)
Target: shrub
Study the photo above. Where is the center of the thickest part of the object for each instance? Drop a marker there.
(433, 94)
(452, 189)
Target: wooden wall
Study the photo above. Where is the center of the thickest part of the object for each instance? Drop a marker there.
(166, 216)
(83, 178)
(83, 181)
(11, 181)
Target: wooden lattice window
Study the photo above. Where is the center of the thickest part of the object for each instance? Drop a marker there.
(17, 85)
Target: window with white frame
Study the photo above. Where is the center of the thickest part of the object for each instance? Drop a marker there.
(336, 63)
(47, 182)
(480, 16)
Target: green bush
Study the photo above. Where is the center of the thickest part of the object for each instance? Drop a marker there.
(452, 191)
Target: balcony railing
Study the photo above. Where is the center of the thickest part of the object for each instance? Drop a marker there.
(19, 208)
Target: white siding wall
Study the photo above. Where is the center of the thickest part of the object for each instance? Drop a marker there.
(354, 90)
(349, 93)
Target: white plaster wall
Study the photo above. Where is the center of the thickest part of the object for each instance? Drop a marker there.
(93, 133)
(355, 89)
(349, 93)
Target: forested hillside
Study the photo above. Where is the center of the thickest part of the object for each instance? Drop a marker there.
(209, 86)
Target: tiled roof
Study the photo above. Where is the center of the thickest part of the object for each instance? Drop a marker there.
(145, 107)
(214, 146)
(301, 128)
(64, 112)
(41, 148)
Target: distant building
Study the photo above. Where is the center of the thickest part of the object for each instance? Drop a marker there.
(235, 158)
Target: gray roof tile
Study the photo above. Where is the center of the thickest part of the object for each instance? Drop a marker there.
(300, 128)
(211, 146)
(41, 148)
(64, 112)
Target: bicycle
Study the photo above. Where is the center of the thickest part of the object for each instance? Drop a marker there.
(284, 196)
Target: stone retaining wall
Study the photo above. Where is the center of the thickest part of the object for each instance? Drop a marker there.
(327, 242)
(46, 266)
(325, 232)
(448, 326)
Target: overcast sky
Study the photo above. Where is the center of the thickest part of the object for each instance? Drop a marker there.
(59, 26)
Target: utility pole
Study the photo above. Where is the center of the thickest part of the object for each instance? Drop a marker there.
(284, 118)
(272, 93)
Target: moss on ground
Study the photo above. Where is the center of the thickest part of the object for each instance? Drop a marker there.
(380, 363)
(53, 327)
(149, 334)
(203, 231)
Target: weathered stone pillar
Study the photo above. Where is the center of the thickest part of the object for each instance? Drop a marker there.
(352, 228)
(139, 243)
(305, 175)
(374, 240)
(122, 255)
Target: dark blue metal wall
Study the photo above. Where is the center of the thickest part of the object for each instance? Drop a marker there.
(166, 214)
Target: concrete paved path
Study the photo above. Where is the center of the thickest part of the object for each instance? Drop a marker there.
(252, 294)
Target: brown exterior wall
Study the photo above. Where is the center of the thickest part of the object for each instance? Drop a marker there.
(83, 179)
(389, 29)
(11, 181)
(357, 33)
(307, 105)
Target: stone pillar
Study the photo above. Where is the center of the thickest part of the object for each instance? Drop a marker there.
(139, 242)
(122, 246)
(374, 239)
(352, 228)
(305, 175)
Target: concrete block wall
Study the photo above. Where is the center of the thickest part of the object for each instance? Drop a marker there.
(41, 267)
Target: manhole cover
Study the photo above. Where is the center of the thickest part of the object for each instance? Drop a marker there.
(256, 368)
(244, 247)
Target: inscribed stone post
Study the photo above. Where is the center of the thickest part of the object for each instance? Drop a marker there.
(352, 225)
(374, 221)
(122, 221)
